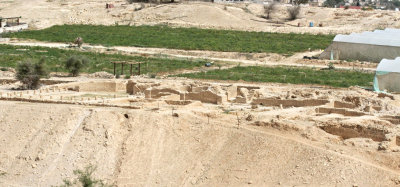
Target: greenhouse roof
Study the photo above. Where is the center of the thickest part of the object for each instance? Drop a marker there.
(387, 37)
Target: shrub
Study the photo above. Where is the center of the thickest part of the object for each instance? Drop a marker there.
(331, 66)
(3, 69)
(294, 12)
(85, 178)
(30, 73)
(268, 9)
(74, 64)
(127, 76)
(78, 41)
(40, 68)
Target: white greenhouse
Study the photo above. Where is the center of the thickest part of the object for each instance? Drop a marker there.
(387, 76)
(367, 46)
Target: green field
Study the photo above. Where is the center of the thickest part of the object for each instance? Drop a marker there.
(55, 59)
(181, 38)
(335, 78)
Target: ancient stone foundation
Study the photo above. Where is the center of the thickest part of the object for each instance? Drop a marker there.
(289, 103)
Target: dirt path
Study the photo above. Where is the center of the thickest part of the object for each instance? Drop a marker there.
(78, 124)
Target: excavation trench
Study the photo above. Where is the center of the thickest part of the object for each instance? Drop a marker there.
(356, 131)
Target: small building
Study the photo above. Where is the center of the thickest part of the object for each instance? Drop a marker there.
(12, 24)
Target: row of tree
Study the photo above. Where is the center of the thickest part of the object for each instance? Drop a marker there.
(29, 73)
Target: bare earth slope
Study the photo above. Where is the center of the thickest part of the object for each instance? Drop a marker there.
(41, 144)
(42, 13)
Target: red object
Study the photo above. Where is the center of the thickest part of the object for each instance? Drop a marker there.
(352, 7)
(109, 6)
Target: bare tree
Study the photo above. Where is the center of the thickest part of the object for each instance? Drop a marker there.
(293, 12)
(269, 9)
(78, 41)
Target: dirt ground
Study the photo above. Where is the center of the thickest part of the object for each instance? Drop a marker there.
(160, 142)
(181, 132)
(44, 13)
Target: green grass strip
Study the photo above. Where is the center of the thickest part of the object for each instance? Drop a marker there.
(181, 38)
(55, 59)
(293, 75)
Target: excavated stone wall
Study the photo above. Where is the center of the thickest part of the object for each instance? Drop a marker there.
(204, 96)
(339, 111)
(339, 104)
(157, 93)
(289, 103)
(96, 86)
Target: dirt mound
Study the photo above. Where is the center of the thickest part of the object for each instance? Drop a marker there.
(242, 16)
(154, 148)
(146, 132)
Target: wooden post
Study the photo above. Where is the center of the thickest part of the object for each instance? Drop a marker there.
(131, 70)
(17, 21)
(122, 69)
(139, 68)
(114, 69)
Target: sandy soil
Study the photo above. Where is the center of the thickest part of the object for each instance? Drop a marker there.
(42, 13)
(228, 134)
(203, 144)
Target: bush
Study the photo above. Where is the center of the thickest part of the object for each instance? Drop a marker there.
(331, 66)
(30, 73)
(78, 41)
(40, 68)
(294, 12)
(332, 3)
(85, 179)
(268, 9)
(74, 64)
(3, 69)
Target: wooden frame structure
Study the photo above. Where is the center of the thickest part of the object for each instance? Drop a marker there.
(11, 18)
(131, 63)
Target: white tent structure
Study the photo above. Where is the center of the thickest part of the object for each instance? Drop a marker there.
(367, 46)
(387, 76)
